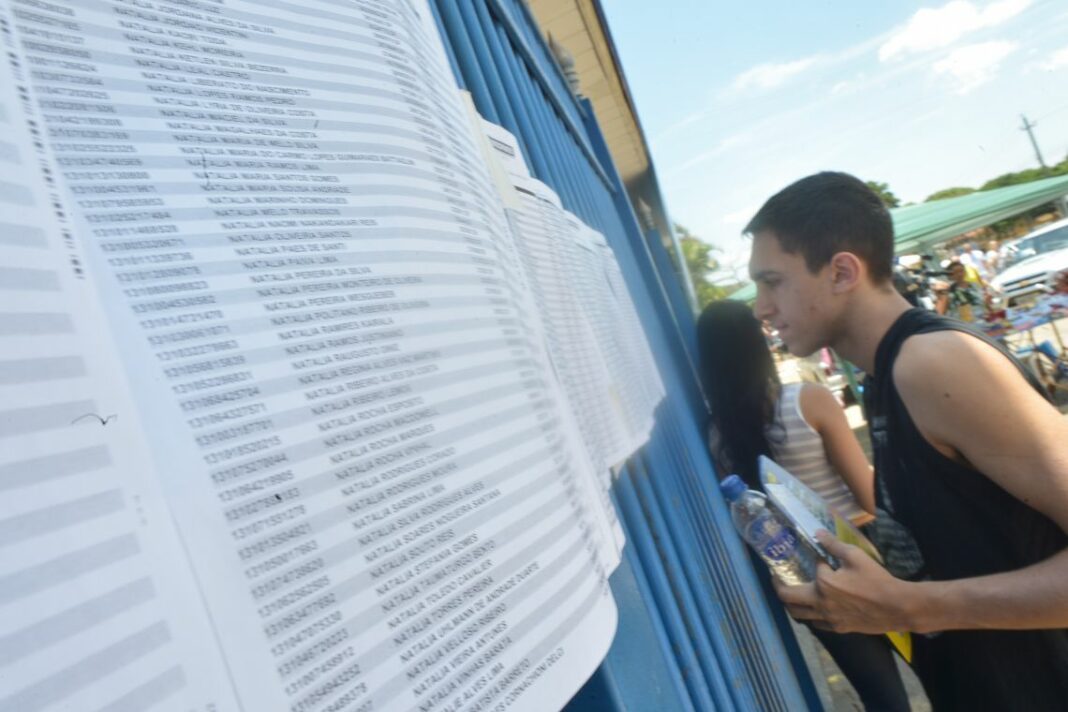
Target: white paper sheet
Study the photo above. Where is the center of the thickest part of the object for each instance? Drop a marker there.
(592, 328)
(288, 222)
(98, 607)
(547, 328)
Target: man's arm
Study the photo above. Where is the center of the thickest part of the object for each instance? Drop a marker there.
(973, 406)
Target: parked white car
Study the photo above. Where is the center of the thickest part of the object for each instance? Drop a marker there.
(1037, 257)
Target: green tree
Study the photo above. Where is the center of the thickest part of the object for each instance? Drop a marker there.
(883, 191)
(1017, 224)
(1021, 224)
(949, 193)
(1027, 175)
(700, 262)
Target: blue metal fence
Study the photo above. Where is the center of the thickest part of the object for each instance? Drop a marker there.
(696, 631)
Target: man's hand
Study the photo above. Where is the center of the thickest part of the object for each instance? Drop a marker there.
(860, 597)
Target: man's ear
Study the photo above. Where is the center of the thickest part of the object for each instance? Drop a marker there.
(847, 271)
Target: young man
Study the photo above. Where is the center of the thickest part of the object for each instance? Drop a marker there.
(974, 460)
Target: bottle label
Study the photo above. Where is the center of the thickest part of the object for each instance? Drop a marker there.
(777, 545)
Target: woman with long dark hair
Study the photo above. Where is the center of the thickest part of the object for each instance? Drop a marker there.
(801, 427)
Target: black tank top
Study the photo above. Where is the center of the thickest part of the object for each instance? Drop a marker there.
(965, 525)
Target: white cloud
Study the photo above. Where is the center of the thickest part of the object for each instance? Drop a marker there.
(771, 74)
(681, 124)
(933, 28)
(841, 88)
(721, 147)
(1056, 60)
(849, 85)
(974, 65)
(998, 12)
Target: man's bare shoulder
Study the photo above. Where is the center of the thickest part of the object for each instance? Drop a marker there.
(928, 362)
(965, 396)
(972, 404)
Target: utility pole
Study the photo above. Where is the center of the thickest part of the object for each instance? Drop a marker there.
(1027, 126)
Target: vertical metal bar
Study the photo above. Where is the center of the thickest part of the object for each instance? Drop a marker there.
(528, 24)
(686, 276)
(712, 615)
(642, 582)
(582, 176)
(711, 515)
(642, 540)
(580, 196)
(589, 182)
(560, 99)
(450, 53)
(522, 128)
(533, 104)
(466, 58)
(527, 103)
(641, 671)
(669, 545)
(677, 297)
(484, 50)
(768, 676)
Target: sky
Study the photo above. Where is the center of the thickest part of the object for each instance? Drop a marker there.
(739, 99)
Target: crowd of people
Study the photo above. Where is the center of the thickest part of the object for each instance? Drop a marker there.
(972, 499)
(960, 286)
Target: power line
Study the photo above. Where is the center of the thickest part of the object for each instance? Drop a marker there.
(1054, 110)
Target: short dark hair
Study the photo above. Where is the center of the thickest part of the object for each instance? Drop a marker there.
(827, 213)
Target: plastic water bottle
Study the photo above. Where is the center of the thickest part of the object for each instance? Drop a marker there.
(776, 543)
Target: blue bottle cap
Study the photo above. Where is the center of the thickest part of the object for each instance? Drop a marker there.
(732, 487)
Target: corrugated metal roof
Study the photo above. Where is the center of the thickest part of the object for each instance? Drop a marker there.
(917, 227)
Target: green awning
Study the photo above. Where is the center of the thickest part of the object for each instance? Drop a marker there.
(918, 227)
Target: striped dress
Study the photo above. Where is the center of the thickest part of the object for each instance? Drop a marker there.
(799, 449)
